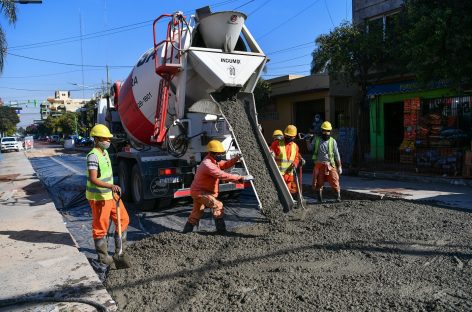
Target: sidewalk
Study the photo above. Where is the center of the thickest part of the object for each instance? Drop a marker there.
(39, 258)
(421, 189)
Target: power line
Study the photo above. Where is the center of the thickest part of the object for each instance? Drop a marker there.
(101, 33)
(68, 64)
(290, 48)
(329, 14)
(289, 19)
(259, 7)
(46, 75)
(288, 60)
(40, 90)
(244, 4)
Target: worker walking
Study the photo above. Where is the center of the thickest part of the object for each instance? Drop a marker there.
(205, 186)
(287, 157)
(327, 162)
(101, 194)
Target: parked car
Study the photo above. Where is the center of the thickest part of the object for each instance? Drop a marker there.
(54, 139)
(10, 144)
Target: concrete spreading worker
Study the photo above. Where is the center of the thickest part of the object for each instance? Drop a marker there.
(100, 192)
(205, 186)
(327, 162)
(287, 157)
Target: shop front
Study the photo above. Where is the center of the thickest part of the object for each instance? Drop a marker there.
(426, 131)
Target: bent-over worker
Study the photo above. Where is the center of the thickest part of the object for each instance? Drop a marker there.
(205, 186)
(100, 192)
(287, 157)
(327, 162)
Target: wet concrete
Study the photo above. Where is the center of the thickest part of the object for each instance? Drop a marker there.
(357, 255)
(238, 116)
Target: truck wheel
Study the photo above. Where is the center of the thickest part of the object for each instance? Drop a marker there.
(137, 186)
(124, 176)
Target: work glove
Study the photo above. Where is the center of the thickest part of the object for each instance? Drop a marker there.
(340, 170)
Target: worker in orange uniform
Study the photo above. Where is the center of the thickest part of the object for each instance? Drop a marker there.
(204, 188)
(327, 162)
(287, 157)
(101, 194)
(277, 136)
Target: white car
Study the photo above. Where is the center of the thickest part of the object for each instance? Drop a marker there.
(10, 144)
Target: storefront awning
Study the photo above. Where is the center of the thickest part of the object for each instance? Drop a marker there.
(403, 87)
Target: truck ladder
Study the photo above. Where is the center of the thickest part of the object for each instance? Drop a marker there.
(169, 66)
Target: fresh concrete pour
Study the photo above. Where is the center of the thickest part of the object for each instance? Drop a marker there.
(356, 255)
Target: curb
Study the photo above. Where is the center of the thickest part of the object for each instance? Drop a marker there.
(415, 178)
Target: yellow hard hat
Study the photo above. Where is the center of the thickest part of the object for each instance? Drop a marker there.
(326, 126)
(101, 131)
(291, 131)
(215, 146)
(277, 132)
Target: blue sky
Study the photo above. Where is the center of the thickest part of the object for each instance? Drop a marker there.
(118, 32)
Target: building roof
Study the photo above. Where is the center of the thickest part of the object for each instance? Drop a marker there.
(290, 84)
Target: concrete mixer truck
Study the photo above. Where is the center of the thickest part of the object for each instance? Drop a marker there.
(168, 108)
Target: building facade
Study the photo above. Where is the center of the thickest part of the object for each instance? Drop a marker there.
(412, 127)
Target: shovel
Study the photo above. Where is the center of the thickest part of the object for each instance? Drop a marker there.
(120, 259)
(300, 191)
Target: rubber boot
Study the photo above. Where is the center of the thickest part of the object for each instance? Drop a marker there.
(338, 197)
(188, 228)
(101, 247)
(220, 226)
(320, 195)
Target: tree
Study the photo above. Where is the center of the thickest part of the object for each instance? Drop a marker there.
(352, 53)
(8, 120)
(68, 123)
(7, 7)
(86, 119)
(437, 41)
(262, 95)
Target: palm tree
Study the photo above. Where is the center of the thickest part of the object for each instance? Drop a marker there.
(8, 8)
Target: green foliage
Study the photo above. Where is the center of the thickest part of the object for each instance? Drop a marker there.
(262, 95)
(8, 120)
(64, 124)
(86, 119)
(437, 40)
(350, 52)
(7, 7)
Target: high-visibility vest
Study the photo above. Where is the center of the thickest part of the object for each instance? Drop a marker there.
(330, 150)
(94, 192)
(282, 162)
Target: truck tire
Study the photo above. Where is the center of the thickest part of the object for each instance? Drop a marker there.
(124, 175)
(137, 185)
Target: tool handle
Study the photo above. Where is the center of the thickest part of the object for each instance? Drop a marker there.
(118, 214)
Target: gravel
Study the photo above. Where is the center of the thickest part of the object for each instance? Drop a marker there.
(356, 255)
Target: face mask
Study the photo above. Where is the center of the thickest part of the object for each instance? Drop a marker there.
(325, 136)
(278, 138)
(219, 158)
(289, 139)
(104, 145)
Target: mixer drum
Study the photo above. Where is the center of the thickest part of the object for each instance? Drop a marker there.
(137, 100)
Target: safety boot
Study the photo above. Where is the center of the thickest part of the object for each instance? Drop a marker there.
(338, 197)
(188, 228)
(124, 237)
(101, 247)
(320, 195)
(220, 226)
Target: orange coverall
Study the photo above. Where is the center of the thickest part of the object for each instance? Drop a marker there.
(205, 187)
(102, 211)
(288, 178)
